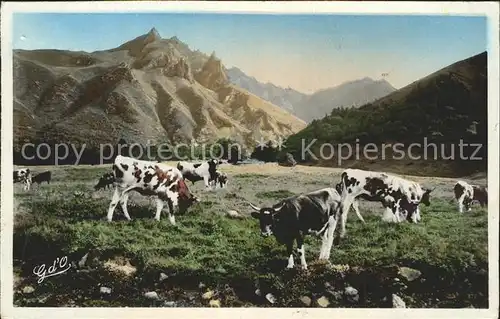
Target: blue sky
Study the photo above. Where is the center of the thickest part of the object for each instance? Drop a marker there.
(305, 52)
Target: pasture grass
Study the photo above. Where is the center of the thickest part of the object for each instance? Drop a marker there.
(450, 249)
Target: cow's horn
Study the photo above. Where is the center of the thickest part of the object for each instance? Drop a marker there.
(280, 207)
(254, 207)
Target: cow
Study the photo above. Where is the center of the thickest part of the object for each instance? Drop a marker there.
(398, 196)
(105, 181)
(220, 179)
(206, 171)
(466, 194)
(162, 181)
(294, 217)
(23, 175)
(42, 177)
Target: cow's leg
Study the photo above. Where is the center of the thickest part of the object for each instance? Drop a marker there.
(289, 251)
(114, 202)
(207, 182)
(301, 250)
(343, 217)
(324, 245)
(159, 208)
(332, 224)
(172, 211)
(355, 205)
(123, 203)
(461, 203)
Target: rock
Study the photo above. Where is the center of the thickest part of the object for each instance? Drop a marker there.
(28, 290)
(169, 304)
(323, 302)
(397, 302)
(306, 301)
(163, 277)
(120, 265)
(351, 294)
(215, 303)
(233, 214)
(151, 295)
(270, 297)
(207, 295)
(337, 295)
(83, 261)
(288, 161)
(105, 290)
(258, 293)
(409, 273)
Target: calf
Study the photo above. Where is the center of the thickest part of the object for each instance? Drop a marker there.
(162, 181)
(220, 179)
(466, 194)
(294, 217)
(23, 175)
(206, 171)
(105, 181)
(398, 196)
(42, 177)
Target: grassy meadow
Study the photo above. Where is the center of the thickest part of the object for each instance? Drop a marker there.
(210, 256)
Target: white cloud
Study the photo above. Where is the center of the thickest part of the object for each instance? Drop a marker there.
(22, 37)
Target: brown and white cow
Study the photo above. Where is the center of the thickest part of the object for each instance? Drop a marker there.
(399, 196)
(23, 175)
(291, 219)
(162, 181)
(466, 194)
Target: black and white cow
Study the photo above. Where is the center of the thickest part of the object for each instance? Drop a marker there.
(162, 181)
(220, 179)
(42, 177)
(105, 181)
(466, 194)
(294, 217)
(23, 175)
(206, 171)
(399, 196)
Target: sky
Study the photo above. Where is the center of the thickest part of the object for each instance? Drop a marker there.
(304, 52)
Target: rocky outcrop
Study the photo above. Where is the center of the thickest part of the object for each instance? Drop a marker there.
(212, 75)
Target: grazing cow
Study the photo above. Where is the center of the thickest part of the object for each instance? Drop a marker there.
(398, 196)
(466, 194)
(206, 171)
(105, 181)
(42, 177)
(150, 179)
(294, 217)
(220, 179)
(23, 175)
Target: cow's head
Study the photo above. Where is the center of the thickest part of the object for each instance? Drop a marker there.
(267, 217)
(426, 196)
(104, 181)
(338, 187)
(186, 198)
(222, 179)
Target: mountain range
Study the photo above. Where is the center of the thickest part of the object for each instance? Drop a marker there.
(316, 105)
(442, 110)
(147, 89)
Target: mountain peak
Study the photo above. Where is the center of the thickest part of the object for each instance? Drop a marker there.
(153, 33)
